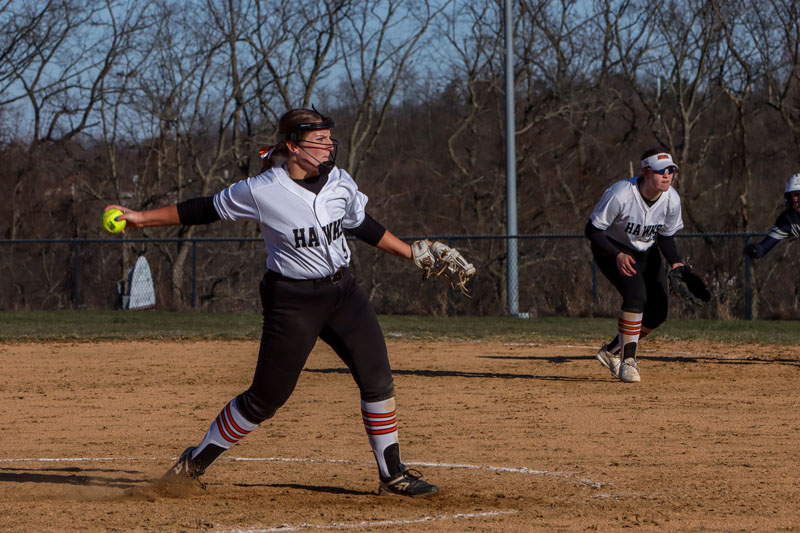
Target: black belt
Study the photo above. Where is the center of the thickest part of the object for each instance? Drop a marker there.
(325, 280)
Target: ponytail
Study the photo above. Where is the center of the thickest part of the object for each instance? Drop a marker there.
(273, 155)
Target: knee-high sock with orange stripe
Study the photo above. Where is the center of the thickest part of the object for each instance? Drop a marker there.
(380, 421)
(227, 429)
(629, 327)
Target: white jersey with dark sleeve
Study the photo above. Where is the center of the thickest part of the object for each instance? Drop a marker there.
(303, 231)
(786, 226)
(627, 219)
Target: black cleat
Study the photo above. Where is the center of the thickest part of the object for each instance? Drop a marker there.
(184, 469)
(409, 483)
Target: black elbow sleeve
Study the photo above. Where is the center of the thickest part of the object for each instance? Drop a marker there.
(598, 238)
(370, 231)
(197, 211)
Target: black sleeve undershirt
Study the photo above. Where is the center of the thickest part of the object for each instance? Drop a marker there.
(785, 221)
(766, 245)
(370, 231)
(598, 237)
(669, 249)
(198, 210)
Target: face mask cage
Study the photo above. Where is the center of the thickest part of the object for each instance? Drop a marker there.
(324, 167)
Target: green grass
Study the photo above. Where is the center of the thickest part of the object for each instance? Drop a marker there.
(90, 326)
(111, 325)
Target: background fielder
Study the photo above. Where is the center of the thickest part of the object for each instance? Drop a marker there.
(633, 215)
(787, 225)
(303, 204)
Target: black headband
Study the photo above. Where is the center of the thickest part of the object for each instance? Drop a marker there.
(294, 135)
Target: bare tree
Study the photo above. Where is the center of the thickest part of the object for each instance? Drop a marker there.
(294, 51)
(775, 26)
(56, 58)
(673, 70)
(737, 76)
(379, 44)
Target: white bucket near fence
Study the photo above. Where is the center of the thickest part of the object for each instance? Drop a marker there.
(137, 291)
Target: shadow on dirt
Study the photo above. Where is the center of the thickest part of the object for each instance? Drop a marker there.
(645, 357)
(312, 488)
(459, 374)
(66, 476)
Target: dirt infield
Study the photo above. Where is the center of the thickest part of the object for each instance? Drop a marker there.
(519, 437)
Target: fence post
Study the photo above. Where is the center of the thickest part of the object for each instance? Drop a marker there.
(194, 273)
(75, 273)
(450, 291)
(748, 300)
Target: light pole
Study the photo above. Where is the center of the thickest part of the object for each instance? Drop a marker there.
(512, 266)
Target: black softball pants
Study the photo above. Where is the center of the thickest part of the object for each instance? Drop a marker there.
(645, 292)
(296, 312)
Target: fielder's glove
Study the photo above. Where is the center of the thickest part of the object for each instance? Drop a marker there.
(753, 250)
(447, 263)
(690, 285)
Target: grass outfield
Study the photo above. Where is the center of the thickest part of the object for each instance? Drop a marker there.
(91, 326)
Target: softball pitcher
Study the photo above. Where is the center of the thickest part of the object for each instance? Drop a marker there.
(787, 225)
(303, 204)
(633, 215)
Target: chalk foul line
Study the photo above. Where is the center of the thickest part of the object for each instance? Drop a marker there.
(567, 476)
(370, 523)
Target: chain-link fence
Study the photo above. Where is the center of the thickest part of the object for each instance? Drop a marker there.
(557, 276)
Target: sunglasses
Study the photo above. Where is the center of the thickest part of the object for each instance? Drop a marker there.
(671, 170)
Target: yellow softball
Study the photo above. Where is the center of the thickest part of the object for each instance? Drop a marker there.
(110, 222)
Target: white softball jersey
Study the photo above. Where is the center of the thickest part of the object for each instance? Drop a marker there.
(303, 231)
(625, 216)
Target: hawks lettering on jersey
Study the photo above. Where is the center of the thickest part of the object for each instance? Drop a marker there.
(332, 232)
(627, 219)
(647, 232)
